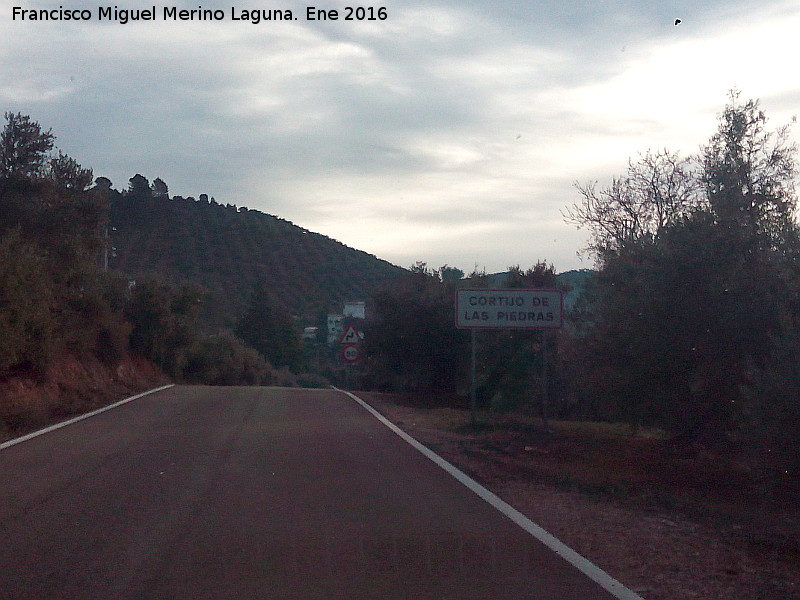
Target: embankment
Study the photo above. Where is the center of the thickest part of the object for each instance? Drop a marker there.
(70, 386)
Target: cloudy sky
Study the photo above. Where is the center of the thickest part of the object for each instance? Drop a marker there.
(451, 132)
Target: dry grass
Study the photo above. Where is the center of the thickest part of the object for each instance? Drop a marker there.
(69, 388)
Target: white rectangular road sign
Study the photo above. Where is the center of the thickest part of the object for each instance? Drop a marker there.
(509, 309)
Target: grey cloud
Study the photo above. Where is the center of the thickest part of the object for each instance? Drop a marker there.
(286, 117)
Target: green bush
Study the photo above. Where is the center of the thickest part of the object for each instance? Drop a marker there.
(225, 360)
(771, 412)
(312, 380)
(165, 320)
(26, 297)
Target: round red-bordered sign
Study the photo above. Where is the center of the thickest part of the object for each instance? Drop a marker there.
(350, 353)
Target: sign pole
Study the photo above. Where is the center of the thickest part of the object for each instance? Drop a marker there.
(545, 422)
(473, 387)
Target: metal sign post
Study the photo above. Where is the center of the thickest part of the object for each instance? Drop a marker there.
(350, 353)
(545, 422)
(473, 390)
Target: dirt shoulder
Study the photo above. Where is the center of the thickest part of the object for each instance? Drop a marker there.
(666, 523)
(70, 387)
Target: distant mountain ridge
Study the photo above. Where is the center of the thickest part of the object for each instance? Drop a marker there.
(226, 249)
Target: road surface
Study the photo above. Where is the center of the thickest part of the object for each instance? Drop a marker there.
(223, 493)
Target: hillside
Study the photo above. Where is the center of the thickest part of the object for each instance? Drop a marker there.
(226, 249)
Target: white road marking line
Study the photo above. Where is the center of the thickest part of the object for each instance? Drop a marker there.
(595, 573)
(34, 434)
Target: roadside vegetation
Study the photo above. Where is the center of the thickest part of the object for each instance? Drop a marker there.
(64, 312)
(690, 323)
(99, 285)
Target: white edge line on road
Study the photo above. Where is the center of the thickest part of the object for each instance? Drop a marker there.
(589, 569)
(34, 434)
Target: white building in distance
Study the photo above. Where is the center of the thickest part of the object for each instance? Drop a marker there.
(355, 310)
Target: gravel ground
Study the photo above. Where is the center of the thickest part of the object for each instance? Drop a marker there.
(660, 554)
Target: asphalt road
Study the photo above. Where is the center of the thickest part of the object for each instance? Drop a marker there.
(201, 492)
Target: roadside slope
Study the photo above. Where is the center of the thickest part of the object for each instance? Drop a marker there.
(70, 386)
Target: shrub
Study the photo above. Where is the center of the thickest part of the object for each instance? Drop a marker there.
(312, 380)
(225, 360)
(26, 319)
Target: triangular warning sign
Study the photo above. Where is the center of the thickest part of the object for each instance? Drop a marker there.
(350, 336)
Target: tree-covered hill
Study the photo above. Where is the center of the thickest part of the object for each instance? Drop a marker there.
(227, 250)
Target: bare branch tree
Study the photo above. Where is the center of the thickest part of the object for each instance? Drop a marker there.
(658, 189)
